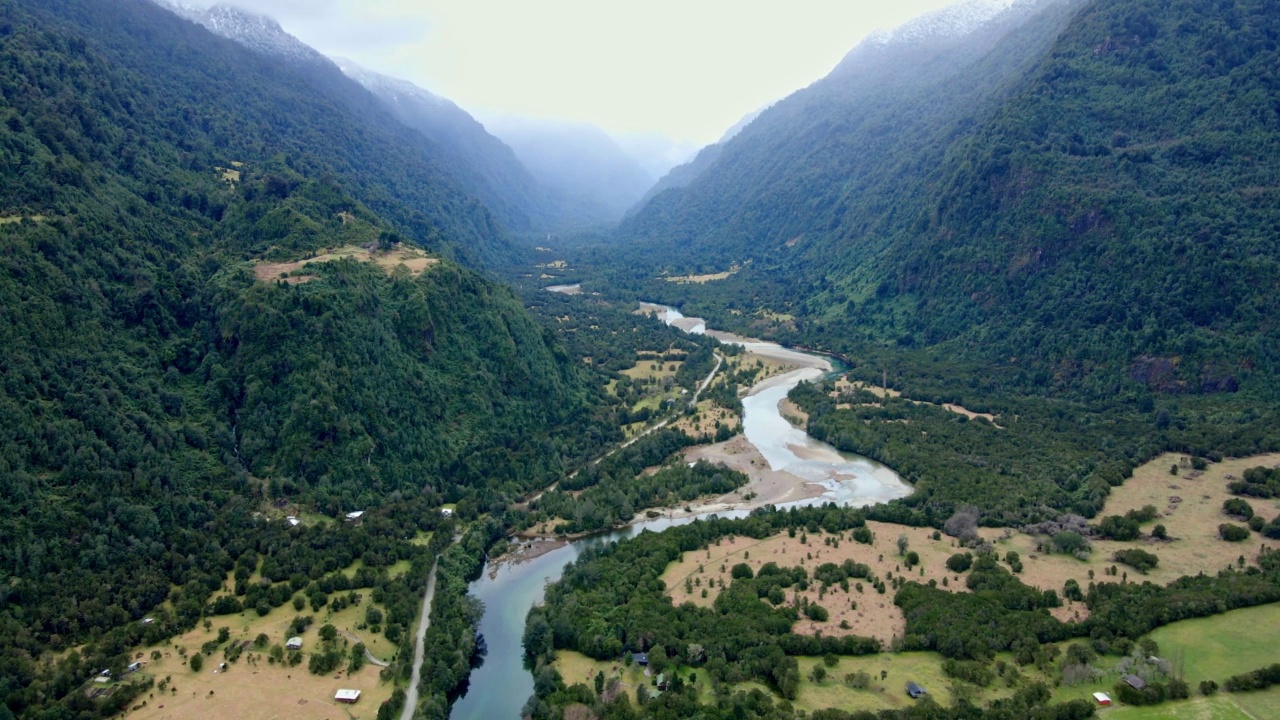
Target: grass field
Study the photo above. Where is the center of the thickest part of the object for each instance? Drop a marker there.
(1224, 645)
(252, 688)
(875, 616)
(416, 261)
(14, 219)
(1192, 521)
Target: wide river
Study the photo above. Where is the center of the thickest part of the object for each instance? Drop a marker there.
(500, 687)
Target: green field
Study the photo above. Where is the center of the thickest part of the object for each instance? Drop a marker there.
(1224, 645)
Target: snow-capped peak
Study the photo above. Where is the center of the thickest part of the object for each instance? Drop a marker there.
(389, 88)
(256, 32)
(952, 21)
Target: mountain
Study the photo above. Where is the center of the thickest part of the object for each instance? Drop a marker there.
(256, 32)
(589, 173)
(484, 162)
(479, 163)
(227, 290)
(1081, 187)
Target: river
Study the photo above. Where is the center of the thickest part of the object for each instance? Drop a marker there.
(499, 688)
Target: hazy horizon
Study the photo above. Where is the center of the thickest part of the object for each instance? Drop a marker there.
(686, 73)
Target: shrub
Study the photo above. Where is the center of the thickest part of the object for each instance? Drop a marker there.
(1233, 533)
(816, 612)
(1069, 542)
(1115, 527)
(960, 562)
(196, 662)
(1208, 687)
(1237, 507)
(1140, 560)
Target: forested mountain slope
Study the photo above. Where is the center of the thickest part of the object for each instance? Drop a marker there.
(1079, 186)
(162, 386)
(220, 100)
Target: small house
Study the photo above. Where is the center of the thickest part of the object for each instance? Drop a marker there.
(661, 682)
(1103, 699)
(347, 696)
(641, 658)
(1134, 682)
(148, 621)
(105, 673)
(294, 643)
(135, 666)
(914, 690)
(293, 521)
(354, 516)
(447, 512)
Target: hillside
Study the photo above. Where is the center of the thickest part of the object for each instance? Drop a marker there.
(166, 393)
(1084, 187)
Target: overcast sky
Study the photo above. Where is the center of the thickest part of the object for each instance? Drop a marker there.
(686, 68)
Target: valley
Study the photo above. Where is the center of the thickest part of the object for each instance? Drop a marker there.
(942, 386)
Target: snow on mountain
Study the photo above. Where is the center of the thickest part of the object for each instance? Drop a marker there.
(256, 32)
(952, 21)
(393, 90)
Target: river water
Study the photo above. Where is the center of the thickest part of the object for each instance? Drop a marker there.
(499, 688)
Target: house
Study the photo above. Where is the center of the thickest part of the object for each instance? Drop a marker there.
(347, 696)
(661, 682)
(136, 666)
(292, 520)
(1102, 698)
(641, 658)
(1134, 682)
(148, 621)
(447, 512)
(915, 691)
(294, 643)
(105, 673)
(353, 516)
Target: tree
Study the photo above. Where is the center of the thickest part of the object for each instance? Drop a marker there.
(196, 661)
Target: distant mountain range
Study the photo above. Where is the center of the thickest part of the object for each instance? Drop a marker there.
(541, 176)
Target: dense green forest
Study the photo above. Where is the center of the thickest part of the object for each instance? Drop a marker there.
(1079, 200)
(159, 397)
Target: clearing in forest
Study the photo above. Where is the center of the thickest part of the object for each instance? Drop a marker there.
(252, 688)
(1189, 506)
(703, 279)
(875, 615)
(414, 260)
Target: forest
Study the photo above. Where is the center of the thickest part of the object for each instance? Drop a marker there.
(162, 402)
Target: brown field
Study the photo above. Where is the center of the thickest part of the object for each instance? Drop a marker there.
(704, 423)
(655, 368)
(252, 688)
(415, 261)
(843, 385)
(1194, 545)
(702, 279)
(228, 175)
(876, 615)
